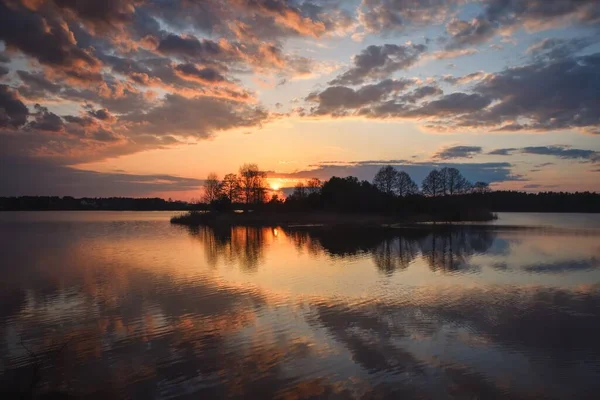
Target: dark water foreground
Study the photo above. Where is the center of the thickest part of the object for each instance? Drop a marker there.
(126, 305)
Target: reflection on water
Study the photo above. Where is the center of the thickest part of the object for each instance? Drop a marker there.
(126, 305)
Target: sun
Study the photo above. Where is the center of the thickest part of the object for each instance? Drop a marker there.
(275, 184)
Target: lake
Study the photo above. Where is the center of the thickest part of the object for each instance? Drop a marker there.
(125, 305)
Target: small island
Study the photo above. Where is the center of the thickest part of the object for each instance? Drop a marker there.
(392, 198)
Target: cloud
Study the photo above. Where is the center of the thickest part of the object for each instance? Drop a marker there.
(42, 177)
(48, 40)
(188, 46)
(542, 96)
(44, 120)
(421, 93)
(13, 112)
(377, 62)
(458, 152)
(447, 54)
(384, 16)
(556, 49)
(338, 100)
(500, 16)
(198, 116)
(564, 152)
(204, 75)
(502, 152)
(366, 170)
(463, 80)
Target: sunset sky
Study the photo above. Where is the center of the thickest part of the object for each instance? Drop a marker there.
(146, 97)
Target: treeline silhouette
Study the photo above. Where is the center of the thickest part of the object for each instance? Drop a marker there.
(43, 203)
(444, 193)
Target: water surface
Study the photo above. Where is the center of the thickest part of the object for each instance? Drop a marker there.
(123, 304)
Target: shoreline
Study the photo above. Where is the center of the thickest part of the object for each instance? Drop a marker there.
(290, 219)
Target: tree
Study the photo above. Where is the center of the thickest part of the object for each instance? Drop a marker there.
(314, 185)
(481, 188)
(252, 183)
(405, 186)
(299, 191)
(230, 187)
(212, 188)
(454, 181)
(433, 184)
(386, 179)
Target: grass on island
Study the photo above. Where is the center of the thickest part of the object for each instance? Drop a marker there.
(196, 218)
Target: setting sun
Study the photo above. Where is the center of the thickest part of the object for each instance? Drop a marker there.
(275, 185)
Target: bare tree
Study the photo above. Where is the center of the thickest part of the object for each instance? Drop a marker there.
(433, 184)
(454, 181)
(481, 188)
(230, 187)
(405, 185)
(212, 188)
(252, 183)
(314, 185)
(300, 191)
(386, 179)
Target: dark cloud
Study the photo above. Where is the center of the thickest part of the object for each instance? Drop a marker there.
(502, 152)
(337, 100)
(388, 16)
(102, 14)
(4, 58)
(44, 120)
(47, 40)
(43, 177)
(4, 70)
(188, 47)
(543, 95)
(36, 85)
(421, 93)
(102, 114)
(564, 152)
(500, 16)
(458, 152)
(556, 49)
(190, 71)
(377, 62)
(453, 104)
(199, 116)
(485, 172)
(13, 112)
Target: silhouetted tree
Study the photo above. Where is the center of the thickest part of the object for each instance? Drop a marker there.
(314, 185)
(212, 188)
(405, 186)
(299, 191)
(252, 183)
(433, 184)
(386, 179)
(481, 188)
(230, 187)
(454, 181)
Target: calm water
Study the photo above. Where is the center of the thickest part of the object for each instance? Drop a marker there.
(125, 305)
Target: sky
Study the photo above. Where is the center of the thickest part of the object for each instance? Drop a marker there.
(145, 98)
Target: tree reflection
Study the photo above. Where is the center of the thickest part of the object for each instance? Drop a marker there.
(449, 250)
(394, 254)
(242, 245)
(443, 249)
